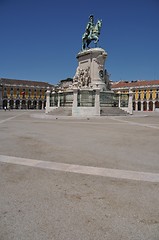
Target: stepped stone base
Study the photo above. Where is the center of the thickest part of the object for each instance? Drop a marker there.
(61, 111)
(112, 111)
(105, 111)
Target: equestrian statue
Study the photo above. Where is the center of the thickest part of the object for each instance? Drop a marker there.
(92, 33)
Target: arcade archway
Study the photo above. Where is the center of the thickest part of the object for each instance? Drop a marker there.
(4, 103)
(23, 104)
(29, 104)
(150, 106)
(34, 104)
(145, 106)
(139, 106)
(40, 104)
(17, 104)
(11, 104)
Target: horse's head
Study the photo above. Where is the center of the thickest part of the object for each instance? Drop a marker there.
(99, 23)
(98, 27)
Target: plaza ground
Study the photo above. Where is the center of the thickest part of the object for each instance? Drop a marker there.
(37, 201)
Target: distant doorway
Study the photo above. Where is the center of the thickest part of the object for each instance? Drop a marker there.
(17, 104)
(29, 104)
(11, 104)
(34, 104)
(40, 104)
(150, 106)
(139, 106)
(4, 103)
(157, 104)
(23, 104)
(145, 106)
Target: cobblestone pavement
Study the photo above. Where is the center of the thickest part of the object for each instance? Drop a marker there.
(64, 177)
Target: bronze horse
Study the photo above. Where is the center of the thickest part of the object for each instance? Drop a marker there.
(93, 36)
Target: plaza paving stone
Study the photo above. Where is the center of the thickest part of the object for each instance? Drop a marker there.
(39, 203)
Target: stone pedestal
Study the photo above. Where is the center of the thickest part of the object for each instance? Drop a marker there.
(91, 71)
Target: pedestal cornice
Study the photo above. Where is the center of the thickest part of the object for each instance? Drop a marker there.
(92, 50)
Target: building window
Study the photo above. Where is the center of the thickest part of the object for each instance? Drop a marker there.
(145, 95)
(5, 94)
(11, 92)
(29, 92)
(17, 92)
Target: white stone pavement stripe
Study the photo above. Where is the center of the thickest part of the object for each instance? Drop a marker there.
(8, 119)
(134, 123)
(96, 171)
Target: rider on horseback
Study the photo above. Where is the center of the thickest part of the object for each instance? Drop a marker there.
(88, 32)
(90, 26)
(92, 33)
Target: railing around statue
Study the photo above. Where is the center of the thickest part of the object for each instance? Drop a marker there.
(109, 99)
(66, 99)
(61, 99)
(124, 99)
(54, 100)
(86, 98)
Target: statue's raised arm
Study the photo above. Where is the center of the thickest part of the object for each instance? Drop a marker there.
(92, 33)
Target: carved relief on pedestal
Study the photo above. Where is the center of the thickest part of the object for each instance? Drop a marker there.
(82, 77)
(100, 60)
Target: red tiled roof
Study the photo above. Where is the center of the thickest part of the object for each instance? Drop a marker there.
(24, 82)
(135, 84)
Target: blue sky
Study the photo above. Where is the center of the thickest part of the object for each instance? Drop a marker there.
(40, 39)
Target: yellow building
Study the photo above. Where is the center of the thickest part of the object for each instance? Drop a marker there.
(145, 93)
(23, 94)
